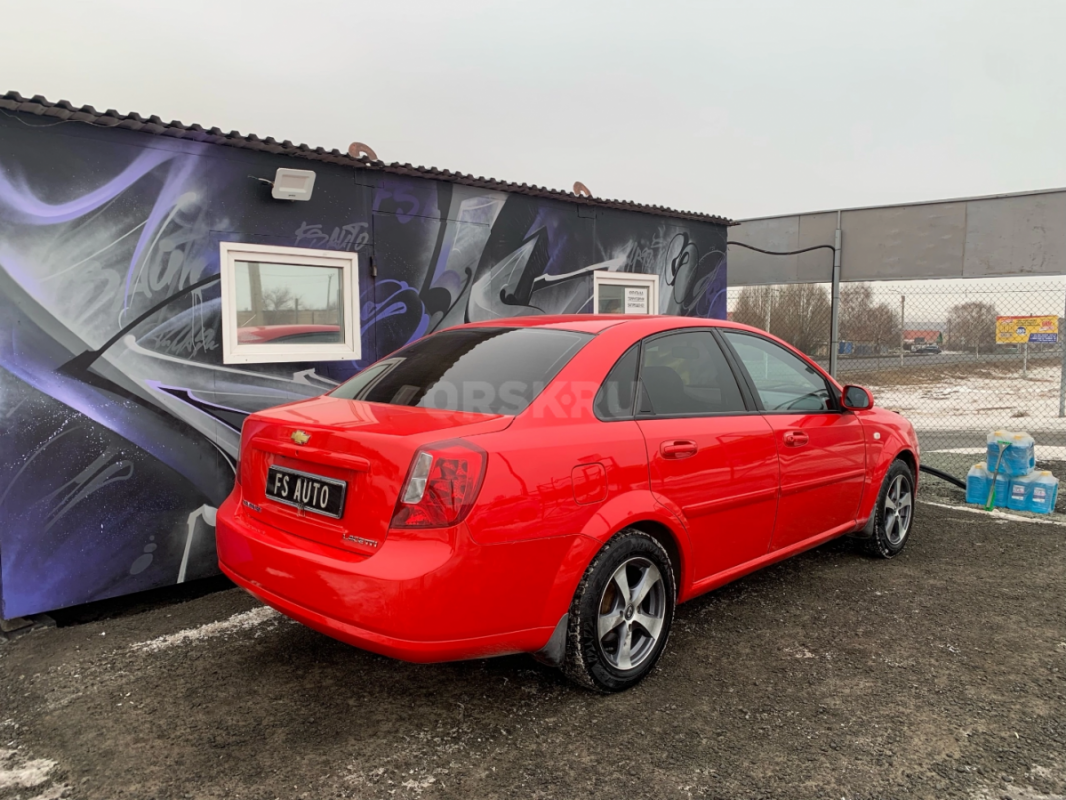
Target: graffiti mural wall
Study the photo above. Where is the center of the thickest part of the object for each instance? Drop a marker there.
(118, 419)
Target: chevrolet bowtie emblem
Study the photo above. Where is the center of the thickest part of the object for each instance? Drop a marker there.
(300, 437)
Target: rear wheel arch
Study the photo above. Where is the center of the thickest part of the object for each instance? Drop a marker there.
(591, 544)
(641, 510)
(664, 536)
(617, 627)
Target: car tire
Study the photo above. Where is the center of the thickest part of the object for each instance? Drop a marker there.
(894, 513)
(621, 613)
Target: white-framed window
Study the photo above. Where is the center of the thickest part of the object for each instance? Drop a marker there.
(624, 292)
(288, 304)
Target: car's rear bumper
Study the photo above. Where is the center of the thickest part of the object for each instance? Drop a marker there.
(423, 596)
(403, 649)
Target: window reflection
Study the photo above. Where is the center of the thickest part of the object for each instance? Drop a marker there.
(288, 304)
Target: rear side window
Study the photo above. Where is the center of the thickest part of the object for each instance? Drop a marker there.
(687, 374)
(615, 398)
(483, 370)
(783, 381)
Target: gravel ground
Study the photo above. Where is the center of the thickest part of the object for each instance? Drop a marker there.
(939, 674)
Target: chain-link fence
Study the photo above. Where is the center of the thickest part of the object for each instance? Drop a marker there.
(929, 350)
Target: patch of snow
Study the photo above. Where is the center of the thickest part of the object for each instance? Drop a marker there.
(979, 402)
(16, 771)
(1017, 793)
(238, 622)
(996, 513)
(55, 792)
(419, 785)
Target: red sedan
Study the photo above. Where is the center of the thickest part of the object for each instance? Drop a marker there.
(555, 485)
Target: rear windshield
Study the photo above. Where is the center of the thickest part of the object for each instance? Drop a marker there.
(485, 370)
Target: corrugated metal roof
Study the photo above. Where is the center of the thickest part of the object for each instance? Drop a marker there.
(67, 112)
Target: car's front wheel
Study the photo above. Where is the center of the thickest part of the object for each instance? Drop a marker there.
(621, 613)
(894, 512)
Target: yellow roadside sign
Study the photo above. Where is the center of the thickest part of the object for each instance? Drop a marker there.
(1015, 330)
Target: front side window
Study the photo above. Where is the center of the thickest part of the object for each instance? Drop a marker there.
(687, 374)
(783, 381)
(288, 304)
(483, 370)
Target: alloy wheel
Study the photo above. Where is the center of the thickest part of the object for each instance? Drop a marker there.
(898, 509)
(631, 614)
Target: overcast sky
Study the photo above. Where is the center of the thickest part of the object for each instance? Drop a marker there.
(745, 108)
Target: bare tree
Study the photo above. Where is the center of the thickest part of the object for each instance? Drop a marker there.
(882, 327)
(798, 313)
(972, 326)
(862, 321)
(856, 299)
(805, 317)
(279, 299)
(755, 306)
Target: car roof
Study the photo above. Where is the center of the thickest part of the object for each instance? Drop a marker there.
(644, 325)
(596, 323)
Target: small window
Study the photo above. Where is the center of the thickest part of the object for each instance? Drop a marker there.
(687, 374)
(615, 398)
(483, 370)
(783, 381)
(625, 293)
(288, 304)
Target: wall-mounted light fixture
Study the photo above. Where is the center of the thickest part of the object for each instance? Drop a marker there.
(293, 184)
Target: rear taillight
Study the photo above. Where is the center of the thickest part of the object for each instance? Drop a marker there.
(441, 486)
(239, 475)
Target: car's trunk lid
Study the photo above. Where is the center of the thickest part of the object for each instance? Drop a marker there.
(366, 446)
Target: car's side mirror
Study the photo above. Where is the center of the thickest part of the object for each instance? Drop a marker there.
(856, 398)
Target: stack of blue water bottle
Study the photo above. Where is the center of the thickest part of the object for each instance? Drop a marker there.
(1018, 484)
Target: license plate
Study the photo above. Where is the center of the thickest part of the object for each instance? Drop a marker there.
(306, 492)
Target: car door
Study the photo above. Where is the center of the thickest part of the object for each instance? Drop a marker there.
(711, 455)
(821, 447)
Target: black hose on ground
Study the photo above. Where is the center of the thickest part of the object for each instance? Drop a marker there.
(942, 475)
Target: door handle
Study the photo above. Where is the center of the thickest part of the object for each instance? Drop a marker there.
(796, 439)
(679, 448)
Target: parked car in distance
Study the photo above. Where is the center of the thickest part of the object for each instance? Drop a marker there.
(556, 485)
(926, 349)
